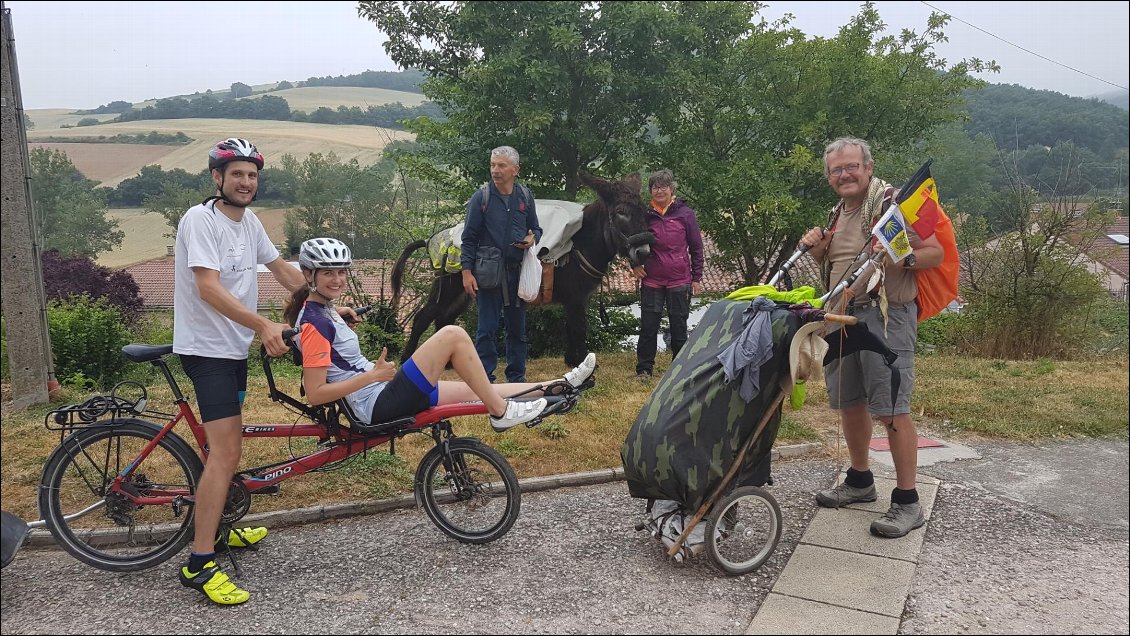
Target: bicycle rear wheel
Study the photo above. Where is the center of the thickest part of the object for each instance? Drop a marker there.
(743, 530)
(104, 528)
(472, 495)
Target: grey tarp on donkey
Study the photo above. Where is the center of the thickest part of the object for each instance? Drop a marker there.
(691, 428)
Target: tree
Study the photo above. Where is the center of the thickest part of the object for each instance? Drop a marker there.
(173, 201)
(64, 277)
(1029, 289)
(239, 89)
(569, 84)
(71, 216)
(283, 85)
(343, 200)
(759, 102)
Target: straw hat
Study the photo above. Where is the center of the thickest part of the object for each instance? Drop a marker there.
(806, 353)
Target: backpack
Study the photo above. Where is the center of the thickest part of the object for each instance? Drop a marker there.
(937, 287)
(484, 195)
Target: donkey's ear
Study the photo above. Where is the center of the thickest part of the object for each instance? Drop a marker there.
(602, 187)
(633, 182)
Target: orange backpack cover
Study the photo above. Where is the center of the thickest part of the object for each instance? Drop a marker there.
(937, 287)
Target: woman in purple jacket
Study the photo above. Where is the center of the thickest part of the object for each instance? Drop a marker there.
(673, 273)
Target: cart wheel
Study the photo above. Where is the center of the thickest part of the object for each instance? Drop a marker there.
(743, 530)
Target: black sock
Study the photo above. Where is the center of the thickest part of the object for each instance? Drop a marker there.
(859, 478)
(904, 497)
(196, 562)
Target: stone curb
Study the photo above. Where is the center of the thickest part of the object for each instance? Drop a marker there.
(283, 518)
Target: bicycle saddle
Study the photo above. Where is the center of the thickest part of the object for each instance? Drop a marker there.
(145, 353)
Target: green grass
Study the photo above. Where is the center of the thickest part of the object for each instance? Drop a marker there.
(956, 397)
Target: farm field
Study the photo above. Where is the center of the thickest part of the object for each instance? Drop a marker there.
(273, 138)
(310, 98)
(108, 162)
(51, 119)
(145, 234)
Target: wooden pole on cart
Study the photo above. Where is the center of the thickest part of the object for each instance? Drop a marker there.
(729, 476)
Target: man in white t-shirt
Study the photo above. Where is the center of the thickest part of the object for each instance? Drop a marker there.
(215, 316)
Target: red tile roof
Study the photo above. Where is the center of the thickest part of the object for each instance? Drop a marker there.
(155, 280)
(1112, 255)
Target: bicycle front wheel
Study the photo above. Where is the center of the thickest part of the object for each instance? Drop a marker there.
(743, 530)
(472, 494)
(104, 528)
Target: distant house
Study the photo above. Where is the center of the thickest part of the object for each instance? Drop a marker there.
(1109, 258)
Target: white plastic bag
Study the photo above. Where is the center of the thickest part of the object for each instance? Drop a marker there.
(529, 279)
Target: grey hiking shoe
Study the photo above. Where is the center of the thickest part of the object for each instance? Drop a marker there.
(899, 520)
(844, 494)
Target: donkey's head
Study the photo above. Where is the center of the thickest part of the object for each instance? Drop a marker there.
(626, 232)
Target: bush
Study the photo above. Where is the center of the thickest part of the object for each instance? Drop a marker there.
(379, 330)
(87, 336)
(940, 331)
(64, 277)
(1109, 326)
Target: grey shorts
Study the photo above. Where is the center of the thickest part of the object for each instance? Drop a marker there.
(863, 378)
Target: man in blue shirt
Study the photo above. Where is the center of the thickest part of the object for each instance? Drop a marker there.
(502, 223)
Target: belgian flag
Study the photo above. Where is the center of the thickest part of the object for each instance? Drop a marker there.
(918, 201)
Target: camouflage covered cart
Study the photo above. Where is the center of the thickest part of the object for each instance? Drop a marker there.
(692, 431)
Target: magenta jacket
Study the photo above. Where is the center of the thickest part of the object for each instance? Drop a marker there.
(676, 257)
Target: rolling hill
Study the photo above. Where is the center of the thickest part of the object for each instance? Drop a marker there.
(109, 164)
(309, 99)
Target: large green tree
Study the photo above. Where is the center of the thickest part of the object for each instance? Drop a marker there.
(344, 200)
(568, 84)
(71, 215)
(758, 102)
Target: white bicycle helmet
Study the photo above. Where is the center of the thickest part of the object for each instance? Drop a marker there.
(234, 149)
(324, 253)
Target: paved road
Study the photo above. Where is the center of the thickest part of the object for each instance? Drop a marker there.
(1009, 549)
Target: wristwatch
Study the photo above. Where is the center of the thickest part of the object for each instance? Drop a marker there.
(909, 261)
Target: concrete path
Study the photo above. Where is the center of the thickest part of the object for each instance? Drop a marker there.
(841, 578)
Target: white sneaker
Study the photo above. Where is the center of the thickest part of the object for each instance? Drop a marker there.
(517, 413)
(582, 371)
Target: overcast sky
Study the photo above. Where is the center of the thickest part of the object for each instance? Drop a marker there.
(85, 54)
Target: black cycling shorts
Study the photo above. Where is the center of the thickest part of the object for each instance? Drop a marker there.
(407, 394)
(220, 384)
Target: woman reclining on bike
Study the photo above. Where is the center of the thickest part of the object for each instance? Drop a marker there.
(334, 367)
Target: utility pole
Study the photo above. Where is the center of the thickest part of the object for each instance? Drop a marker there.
(24, 304)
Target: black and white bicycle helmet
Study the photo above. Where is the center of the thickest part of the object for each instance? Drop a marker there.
(233, 149)
(324, 253)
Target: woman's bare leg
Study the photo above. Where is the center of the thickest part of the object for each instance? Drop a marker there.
(452, 344)
(451, 392)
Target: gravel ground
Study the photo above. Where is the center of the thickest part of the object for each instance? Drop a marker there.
(573, 563)
(1028, 539)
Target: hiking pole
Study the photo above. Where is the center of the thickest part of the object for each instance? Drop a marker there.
(800, 251)
(788, 264)
(850, 280)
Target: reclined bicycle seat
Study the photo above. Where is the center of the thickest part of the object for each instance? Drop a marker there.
(376, 428)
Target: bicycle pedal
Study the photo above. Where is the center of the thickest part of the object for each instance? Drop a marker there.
(273, 489)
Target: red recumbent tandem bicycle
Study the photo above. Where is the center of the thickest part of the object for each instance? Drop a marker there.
(118, 491)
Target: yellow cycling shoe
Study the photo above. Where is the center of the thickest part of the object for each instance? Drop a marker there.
(244, 537)
(214, 584)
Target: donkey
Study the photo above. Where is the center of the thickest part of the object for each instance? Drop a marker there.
(614, 224)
